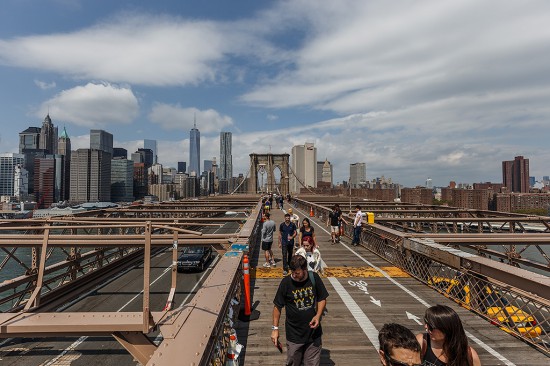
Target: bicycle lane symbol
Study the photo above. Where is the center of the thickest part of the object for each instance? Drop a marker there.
(361, 285)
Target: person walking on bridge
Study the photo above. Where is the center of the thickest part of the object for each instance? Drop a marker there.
(307, 230)
(304, 297)
(445, 342)
(287, 233)
(268, 228)
(333, 220)
(311, 254)
(295, 219)
(398, 346)
(357, 226)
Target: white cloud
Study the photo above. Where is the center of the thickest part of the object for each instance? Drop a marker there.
(408, 155)
(383, 56)
(93, 105)
(170, 152)
(130, 48)
(440, 89)
(80, 142)
(130, 146)
(45, 85)
(176, 117)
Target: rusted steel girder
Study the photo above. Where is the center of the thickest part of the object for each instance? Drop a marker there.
(37, 224)
(72, 324)
(112, 242)
(488, 239)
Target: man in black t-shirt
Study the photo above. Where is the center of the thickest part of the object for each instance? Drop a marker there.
(304, 299)
(334, 218)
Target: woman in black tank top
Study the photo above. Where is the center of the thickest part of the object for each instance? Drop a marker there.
(307, 230)
(445, 342)
(429, 358)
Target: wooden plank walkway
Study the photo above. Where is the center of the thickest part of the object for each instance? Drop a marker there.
(344, 340)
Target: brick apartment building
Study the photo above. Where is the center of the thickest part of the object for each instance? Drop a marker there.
(417, 195)
(510, 202)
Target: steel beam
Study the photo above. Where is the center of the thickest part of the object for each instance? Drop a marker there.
(137, 344)
(190, 332)
(71, 324)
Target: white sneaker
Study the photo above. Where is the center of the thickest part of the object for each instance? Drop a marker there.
(267, 265)
(273, 264)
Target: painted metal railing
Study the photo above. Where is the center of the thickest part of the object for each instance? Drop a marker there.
(198, 332)
(513, 299)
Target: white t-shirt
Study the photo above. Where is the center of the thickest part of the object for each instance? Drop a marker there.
(358, 219)
(295, 219)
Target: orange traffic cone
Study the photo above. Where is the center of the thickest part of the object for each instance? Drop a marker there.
(311, 214)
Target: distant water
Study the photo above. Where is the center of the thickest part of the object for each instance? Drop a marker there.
(13, 269)
(531, 253)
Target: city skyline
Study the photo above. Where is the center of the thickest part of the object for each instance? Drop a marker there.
(405, 88)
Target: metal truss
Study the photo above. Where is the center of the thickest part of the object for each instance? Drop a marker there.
(93, 241)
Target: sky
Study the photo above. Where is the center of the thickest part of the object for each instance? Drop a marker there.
(414, 89)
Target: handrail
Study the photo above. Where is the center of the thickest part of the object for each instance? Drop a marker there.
(452, 272)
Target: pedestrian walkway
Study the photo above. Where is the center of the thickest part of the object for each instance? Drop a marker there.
(365, 292)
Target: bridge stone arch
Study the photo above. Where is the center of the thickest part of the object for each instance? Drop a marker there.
(269, 162)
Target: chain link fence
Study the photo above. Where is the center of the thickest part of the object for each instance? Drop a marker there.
(523, 314)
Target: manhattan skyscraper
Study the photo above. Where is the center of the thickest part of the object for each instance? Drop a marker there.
(151, 144)
(226, 159)
(195, 150)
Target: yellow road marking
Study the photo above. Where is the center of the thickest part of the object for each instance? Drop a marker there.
(338, 272)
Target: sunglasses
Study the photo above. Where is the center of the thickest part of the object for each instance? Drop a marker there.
(430, 327)
(392, 362)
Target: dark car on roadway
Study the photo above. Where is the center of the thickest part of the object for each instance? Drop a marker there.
(194, 258)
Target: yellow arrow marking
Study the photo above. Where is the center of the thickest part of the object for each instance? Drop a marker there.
(338, 272)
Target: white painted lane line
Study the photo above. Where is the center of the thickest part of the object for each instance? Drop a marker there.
(385, 274)
(65, 351)
(166, 270)
(489, 349)
(118, 275)
(362, 319)
(200, 279)
(159, 337)
(83, 338)
(85, 295)
(426, 304)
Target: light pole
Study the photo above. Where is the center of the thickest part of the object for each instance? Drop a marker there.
(349, 184)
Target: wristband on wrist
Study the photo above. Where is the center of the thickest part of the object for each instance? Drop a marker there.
(273, 327)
